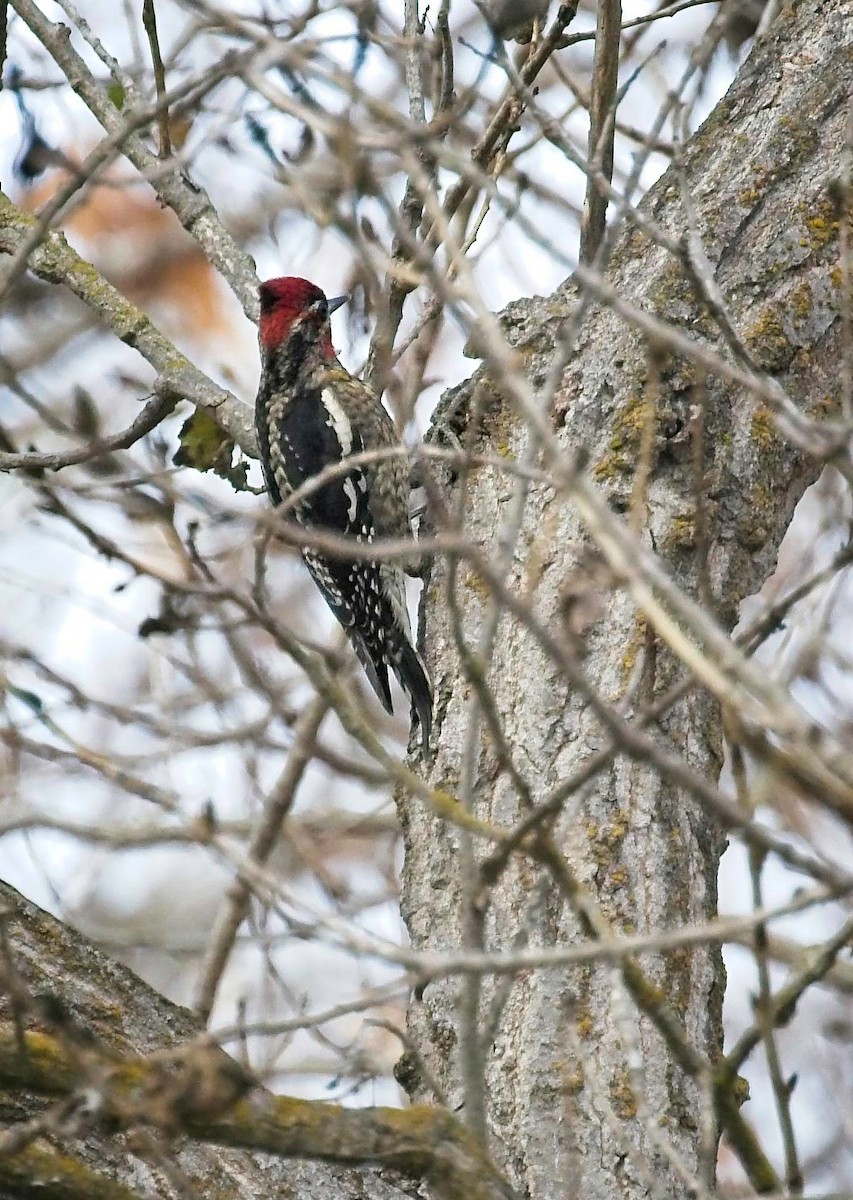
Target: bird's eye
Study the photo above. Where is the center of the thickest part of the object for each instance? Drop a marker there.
(320, 307)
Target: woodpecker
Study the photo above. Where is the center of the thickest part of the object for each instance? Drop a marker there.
(310, 412)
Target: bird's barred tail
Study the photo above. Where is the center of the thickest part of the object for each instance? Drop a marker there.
(411, 672)
(375, 668)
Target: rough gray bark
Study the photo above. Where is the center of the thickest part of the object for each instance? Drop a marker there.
(127, 1016)
(760, 171)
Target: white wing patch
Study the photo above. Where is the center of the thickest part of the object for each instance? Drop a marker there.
(349, 492)
(338, 420)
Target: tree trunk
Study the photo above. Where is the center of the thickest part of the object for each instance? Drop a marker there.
(561, 1101)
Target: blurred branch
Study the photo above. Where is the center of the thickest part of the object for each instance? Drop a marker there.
(149, 23)
(764, 1013)
(4, 19)
(369, 999)
(335, 825)
(55, 262)
(659, 14)
(794, 954)
(152, 414)
(395, 289)
(194, 1090)
(51, 961)
(190, 90)
(190, 202)
(780, 1008)
(37, 1172)
(483, 153)
(602, 124)
(276, 809)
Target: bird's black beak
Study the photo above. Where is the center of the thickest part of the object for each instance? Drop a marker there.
(335, 303)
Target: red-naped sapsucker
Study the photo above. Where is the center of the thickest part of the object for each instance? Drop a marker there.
(310, 413)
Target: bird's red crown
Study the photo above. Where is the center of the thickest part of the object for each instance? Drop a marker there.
(285, 299)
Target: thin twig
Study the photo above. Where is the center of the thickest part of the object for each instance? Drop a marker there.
(278, 805)
(602, 124)
(149, 24)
